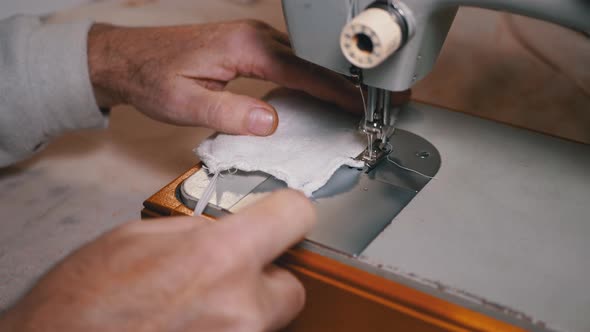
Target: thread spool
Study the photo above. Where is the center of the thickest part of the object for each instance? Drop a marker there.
(371, 37)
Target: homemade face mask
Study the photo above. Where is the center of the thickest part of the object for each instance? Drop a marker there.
(312, 141)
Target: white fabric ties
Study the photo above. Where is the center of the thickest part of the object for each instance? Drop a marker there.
(312, 141)
(202, 203)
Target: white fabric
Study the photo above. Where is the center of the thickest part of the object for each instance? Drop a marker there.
(45, 87)
(312, 141)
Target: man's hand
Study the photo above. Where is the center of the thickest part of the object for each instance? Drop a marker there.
(177, 74)
(179, 274)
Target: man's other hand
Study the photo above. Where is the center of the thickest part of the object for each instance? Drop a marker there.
(177, 74)
(178, 274)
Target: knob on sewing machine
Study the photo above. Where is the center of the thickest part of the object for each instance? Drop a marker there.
(389, 45)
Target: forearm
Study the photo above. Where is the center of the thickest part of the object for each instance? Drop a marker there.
(46, 89)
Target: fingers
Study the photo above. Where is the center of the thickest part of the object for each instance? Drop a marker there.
(268, 228)
(286, 69)
(282, 38)
(234, 114)
(283, 297)
(162, 226)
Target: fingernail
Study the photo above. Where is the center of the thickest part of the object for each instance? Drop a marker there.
(261, 121)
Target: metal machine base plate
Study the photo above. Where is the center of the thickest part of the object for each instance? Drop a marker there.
(353, 207)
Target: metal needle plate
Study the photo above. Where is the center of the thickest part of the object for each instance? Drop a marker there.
(354, 206)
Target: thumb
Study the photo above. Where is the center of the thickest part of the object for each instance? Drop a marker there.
(270, 226)
(235, 114)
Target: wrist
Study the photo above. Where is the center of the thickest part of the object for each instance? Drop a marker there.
(105, 65)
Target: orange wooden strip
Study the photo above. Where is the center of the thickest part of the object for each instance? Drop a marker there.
(414, 304)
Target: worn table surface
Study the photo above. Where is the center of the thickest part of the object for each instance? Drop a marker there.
(87, 182)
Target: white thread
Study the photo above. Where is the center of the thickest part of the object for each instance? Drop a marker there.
(205, 167)
(206, 196)
(409, 169)
(363, 98)
(389, 149)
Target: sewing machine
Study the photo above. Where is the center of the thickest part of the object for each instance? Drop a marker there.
(390, 45)
(499, 194)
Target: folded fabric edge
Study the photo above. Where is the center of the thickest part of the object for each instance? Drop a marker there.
(214, 166)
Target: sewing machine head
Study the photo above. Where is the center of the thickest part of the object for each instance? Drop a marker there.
(389, 45)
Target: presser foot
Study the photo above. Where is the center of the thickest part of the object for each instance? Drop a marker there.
(374, 154)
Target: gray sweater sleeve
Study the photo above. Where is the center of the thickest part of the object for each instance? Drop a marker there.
(45, 88)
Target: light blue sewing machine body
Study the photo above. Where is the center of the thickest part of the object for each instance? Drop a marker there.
(389, 45)
(315, 28)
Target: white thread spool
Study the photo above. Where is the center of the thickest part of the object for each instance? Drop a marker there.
(370, 38)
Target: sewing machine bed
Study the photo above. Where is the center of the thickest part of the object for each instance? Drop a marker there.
(502, 228)
(506, 221)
